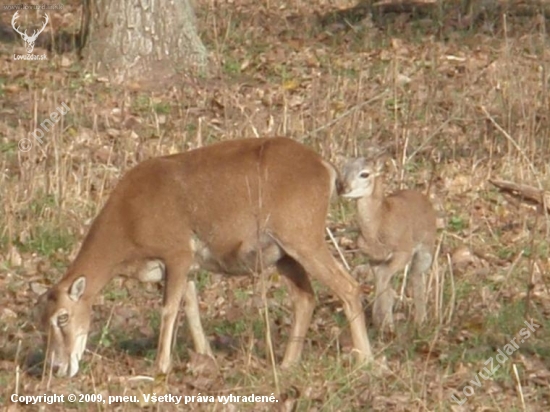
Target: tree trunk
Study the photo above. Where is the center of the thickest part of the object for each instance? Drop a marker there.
(142, 39)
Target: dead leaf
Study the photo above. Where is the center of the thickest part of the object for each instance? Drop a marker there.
(14, 257)
(38, 288)
(114, 133)
(8, 314)
(200, 364)
(461, 257)
(402, 80)
(291, 85)
(65, 61)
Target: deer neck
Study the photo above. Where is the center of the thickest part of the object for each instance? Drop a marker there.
(370, 210)
(101, 252)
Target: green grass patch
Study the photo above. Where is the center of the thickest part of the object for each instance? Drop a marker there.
(48, 239)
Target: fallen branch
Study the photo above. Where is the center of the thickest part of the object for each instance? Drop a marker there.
(525, 7)
(402, 6)
(531, 193)
(497, 7)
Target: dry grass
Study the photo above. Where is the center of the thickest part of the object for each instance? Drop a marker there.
(457, 106)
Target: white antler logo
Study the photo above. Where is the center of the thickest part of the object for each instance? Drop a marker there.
(29, 40)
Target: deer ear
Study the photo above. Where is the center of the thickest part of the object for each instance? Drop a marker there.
(77, 289)
(380, 162)
(371, 151)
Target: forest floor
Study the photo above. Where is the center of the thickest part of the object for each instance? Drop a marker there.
(457, 104)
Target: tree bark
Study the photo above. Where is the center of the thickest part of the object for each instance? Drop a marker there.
(142, 39)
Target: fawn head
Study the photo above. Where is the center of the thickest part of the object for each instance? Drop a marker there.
(359, 175)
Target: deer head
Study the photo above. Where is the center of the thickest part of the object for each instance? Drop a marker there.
(65, 317)
(29, 40)
(359, 175)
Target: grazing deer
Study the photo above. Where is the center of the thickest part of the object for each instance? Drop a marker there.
(395, 230)
(234, 207)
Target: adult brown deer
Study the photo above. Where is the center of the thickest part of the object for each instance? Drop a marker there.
(234, 207)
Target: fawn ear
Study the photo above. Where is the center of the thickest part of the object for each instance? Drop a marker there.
(378, 155)
(374, 151)
(371, 152)
(77, 289)
(380, 161)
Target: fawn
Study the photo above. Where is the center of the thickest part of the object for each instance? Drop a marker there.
(395, 230)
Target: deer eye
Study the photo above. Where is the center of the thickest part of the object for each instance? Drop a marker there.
(364, 175)
(63, 319)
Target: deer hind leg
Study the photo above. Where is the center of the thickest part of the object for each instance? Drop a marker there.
(422, 261)
(319, 263)
(303, 299)
(175, 287)
(382, 311)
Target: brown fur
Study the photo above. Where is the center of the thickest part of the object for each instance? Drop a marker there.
(233, 207)
(395, 230)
